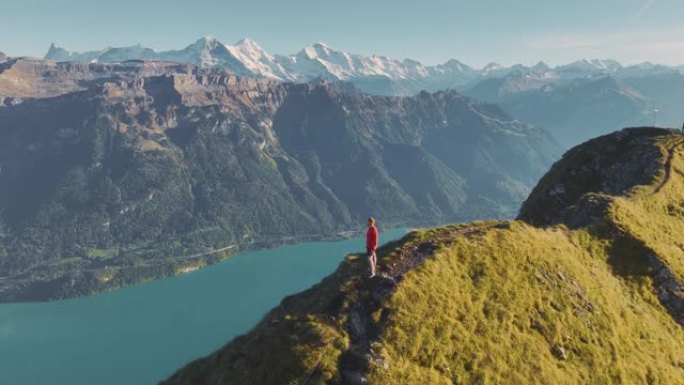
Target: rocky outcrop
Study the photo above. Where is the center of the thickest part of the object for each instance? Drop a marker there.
(582, 190)
(571, 192)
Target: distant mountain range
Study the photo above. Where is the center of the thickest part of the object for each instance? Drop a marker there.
(576, 109)
(112, 174)
(574, 102)
(247, 58)
(371, 74)
(572, 110)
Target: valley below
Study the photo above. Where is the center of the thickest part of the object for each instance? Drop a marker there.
(140, 334)
(117, 173)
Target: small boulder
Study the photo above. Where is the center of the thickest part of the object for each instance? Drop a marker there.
(559, 352)
(352, 378)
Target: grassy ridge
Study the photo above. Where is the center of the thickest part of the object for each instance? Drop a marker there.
(654, 214)
(526, 305)
(584, 290)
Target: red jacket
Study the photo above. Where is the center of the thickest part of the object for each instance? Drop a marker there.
(372, 238)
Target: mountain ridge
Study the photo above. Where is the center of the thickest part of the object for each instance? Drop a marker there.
(591, 297)
(574, 101)
(118, 171)
(579, 109)
(321, 61)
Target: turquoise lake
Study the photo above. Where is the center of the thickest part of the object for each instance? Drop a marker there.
(139, 335)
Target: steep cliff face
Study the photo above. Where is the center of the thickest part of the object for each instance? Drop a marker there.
(111, 174)
(534, 300)
(23, 78)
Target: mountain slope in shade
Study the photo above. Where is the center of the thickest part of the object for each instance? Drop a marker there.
(572, 110)
(664, 91)
(585, 288)
(143, 169)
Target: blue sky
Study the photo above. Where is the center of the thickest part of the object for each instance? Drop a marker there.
(432, 31)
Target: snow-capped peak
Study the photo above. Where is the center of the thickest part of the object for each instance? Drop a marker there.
(596, 65)
(207, 42)
(250, 48)
(317, 50)
(322, 45)
(320, 61)
(257, 60)
(310, 52)
(249, 45)
(492, 67)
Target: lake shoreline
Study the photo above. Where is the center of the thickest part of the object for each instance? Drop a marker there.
(142, 333)
(25, 288)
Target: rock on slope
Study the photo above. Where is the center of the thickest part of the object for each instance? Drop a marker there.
(116, 173)
(583, 289)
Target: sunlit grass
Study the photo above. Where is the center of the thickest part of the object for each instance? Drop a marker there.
(499, 307)
(496, 302)
(657, 219)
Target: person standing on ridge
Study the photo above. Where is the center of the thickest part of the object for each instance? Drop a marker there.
(372, 245)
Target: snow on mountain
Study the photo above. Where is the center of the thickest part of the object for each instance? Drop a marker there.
(374, 74)
(247, 57)
(321, 61)
(496, 70)
(647, 69)
(257, 60)
(591, 66)
(491, 67)
(207, 52)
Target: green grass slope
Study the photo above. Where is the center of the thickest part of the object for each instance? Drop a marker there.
(585, 288)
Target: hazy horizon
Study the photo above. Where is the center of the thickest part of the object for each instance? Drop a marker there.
(432, 32)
